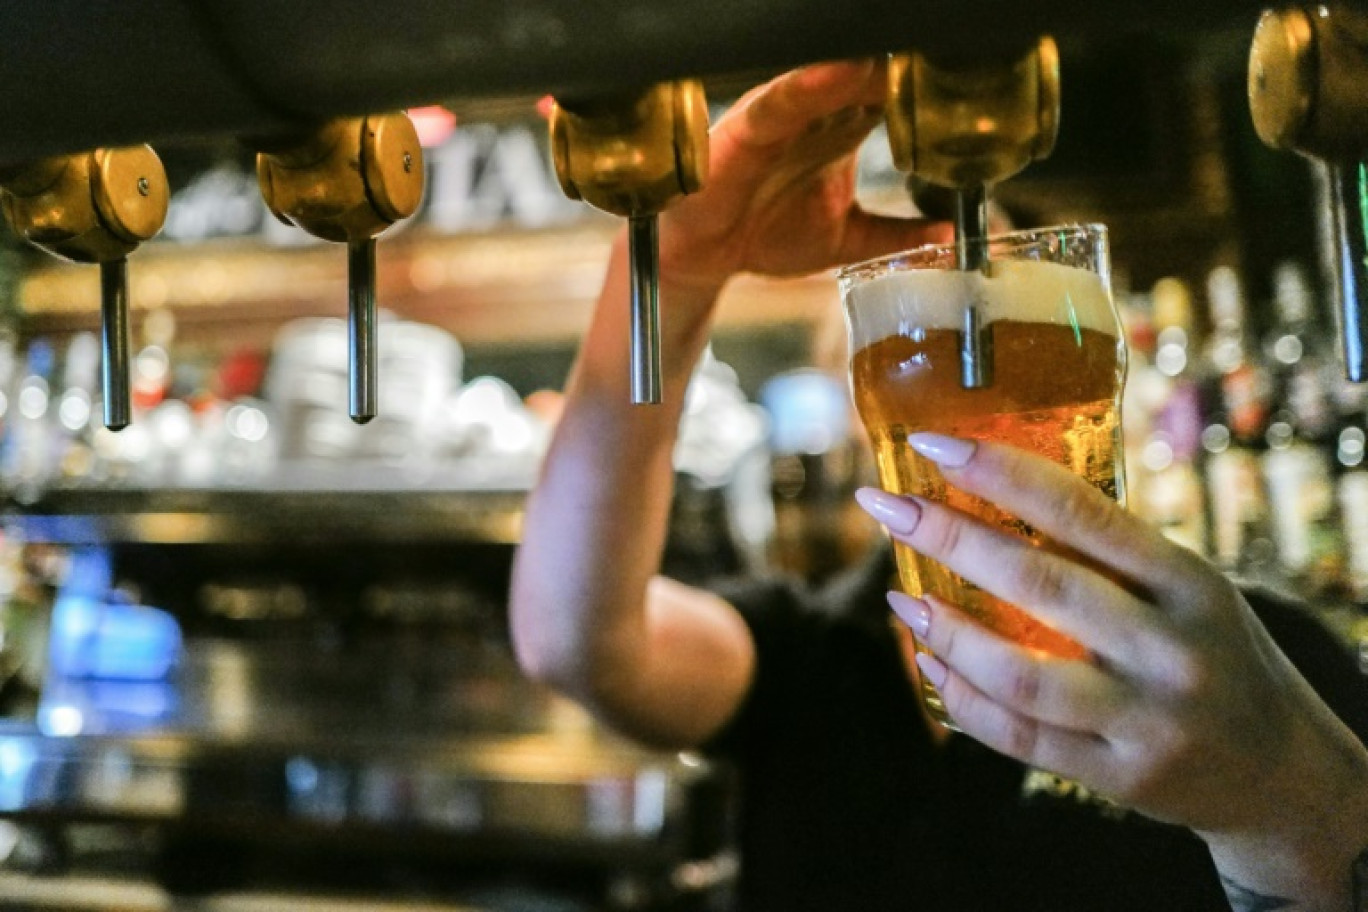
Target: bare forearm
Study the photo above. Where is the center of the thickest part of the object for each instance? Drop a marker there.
(596, 524)
(671, 663)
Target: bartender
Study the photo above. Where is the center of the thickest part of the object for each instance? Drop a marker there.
(1229, 746)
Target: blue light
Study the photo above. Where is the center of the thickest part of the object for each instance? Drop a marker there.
(809, 411)
(97, 638)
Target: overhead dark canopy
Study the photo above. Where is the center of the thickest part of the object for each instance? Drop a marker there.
(81, 73)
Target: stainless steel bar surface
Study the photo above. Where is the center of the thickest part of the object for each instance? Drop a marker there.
(402, 735)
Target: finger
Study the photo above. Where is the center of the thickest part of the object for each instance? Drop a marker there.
(1066, 508)
(1068, 753)
(1065, 595)
(868, 235)
(781, 130)
(1062, 692)
(787, 106)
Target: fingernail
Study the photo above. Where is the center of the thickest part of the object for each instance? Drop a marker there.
(933, 668)
(950, 452)
(913, 611)
(898, 515)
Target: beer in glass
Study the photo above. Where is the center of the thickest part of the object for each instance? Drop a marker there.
(1048, 327)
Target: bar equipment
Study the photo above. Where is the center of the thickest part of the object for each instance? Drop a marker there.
(369, 745)
(347, 182)
(460, 775)
(93, 207)
(964, 122)
(1308, 71)
(632, 155)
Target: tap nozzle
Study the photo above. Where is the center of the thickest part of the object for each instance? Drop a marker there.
(362, 399)
(1308, 72)
(347, 182)
(645, 354)
(971, 255)
(114, 368)
(633, 155)
(94, 207)
(964, 124)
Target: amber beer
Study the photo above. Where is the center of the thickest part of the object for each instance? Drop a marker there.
(1058, 365)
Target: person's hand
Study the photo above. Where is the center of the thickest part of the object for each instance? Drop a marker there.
(1185, 709)
(779, 198)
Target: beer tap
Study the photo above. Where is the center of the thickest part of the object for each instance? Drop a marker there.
(1308, 75)
(93, 207)
(632, 155)
(964, 123)
(347, 182)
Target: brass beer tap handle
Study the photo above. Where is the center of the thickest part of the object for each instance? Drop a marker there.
(347, 182)
(91, 207)
(1308, 76)
(1308, 72)
(632, 156)
(976, 121)
(965, 124)
(94, 207)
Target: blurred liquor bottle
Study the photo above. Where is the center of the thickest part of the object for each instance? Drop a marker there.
(10, 372)
(816, 462)
(1300, 357)
(1351, 482)
(1351, 497)
(28, 459)
(1297, 463)
(1163, 417)
(1238, 393)
(75, 414)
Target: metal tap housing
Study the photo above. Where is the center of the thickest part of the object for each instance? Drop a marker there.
(965, 122)
(1308, 75)
(632, 155)
(347, 182)
(94, 207)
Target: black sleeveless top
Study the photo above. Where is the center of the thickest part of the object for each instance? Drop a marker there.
(847, 805)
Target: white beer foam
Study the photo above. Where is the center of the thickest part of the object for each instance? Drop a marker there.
(1029, 291)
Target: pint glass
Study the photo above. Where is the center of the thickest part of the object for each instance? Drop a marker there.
(1050, 342)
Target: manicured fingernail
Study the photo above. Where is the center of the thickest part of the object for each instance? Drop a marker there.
(899, 515)
(913, 611)
(950, 452)
(933, 668)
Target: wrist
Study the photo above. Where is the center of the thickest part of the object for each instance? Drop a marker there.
(687, 306)
(1360, 879)
(1308, 849)
(696, 268)
(686, 322)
